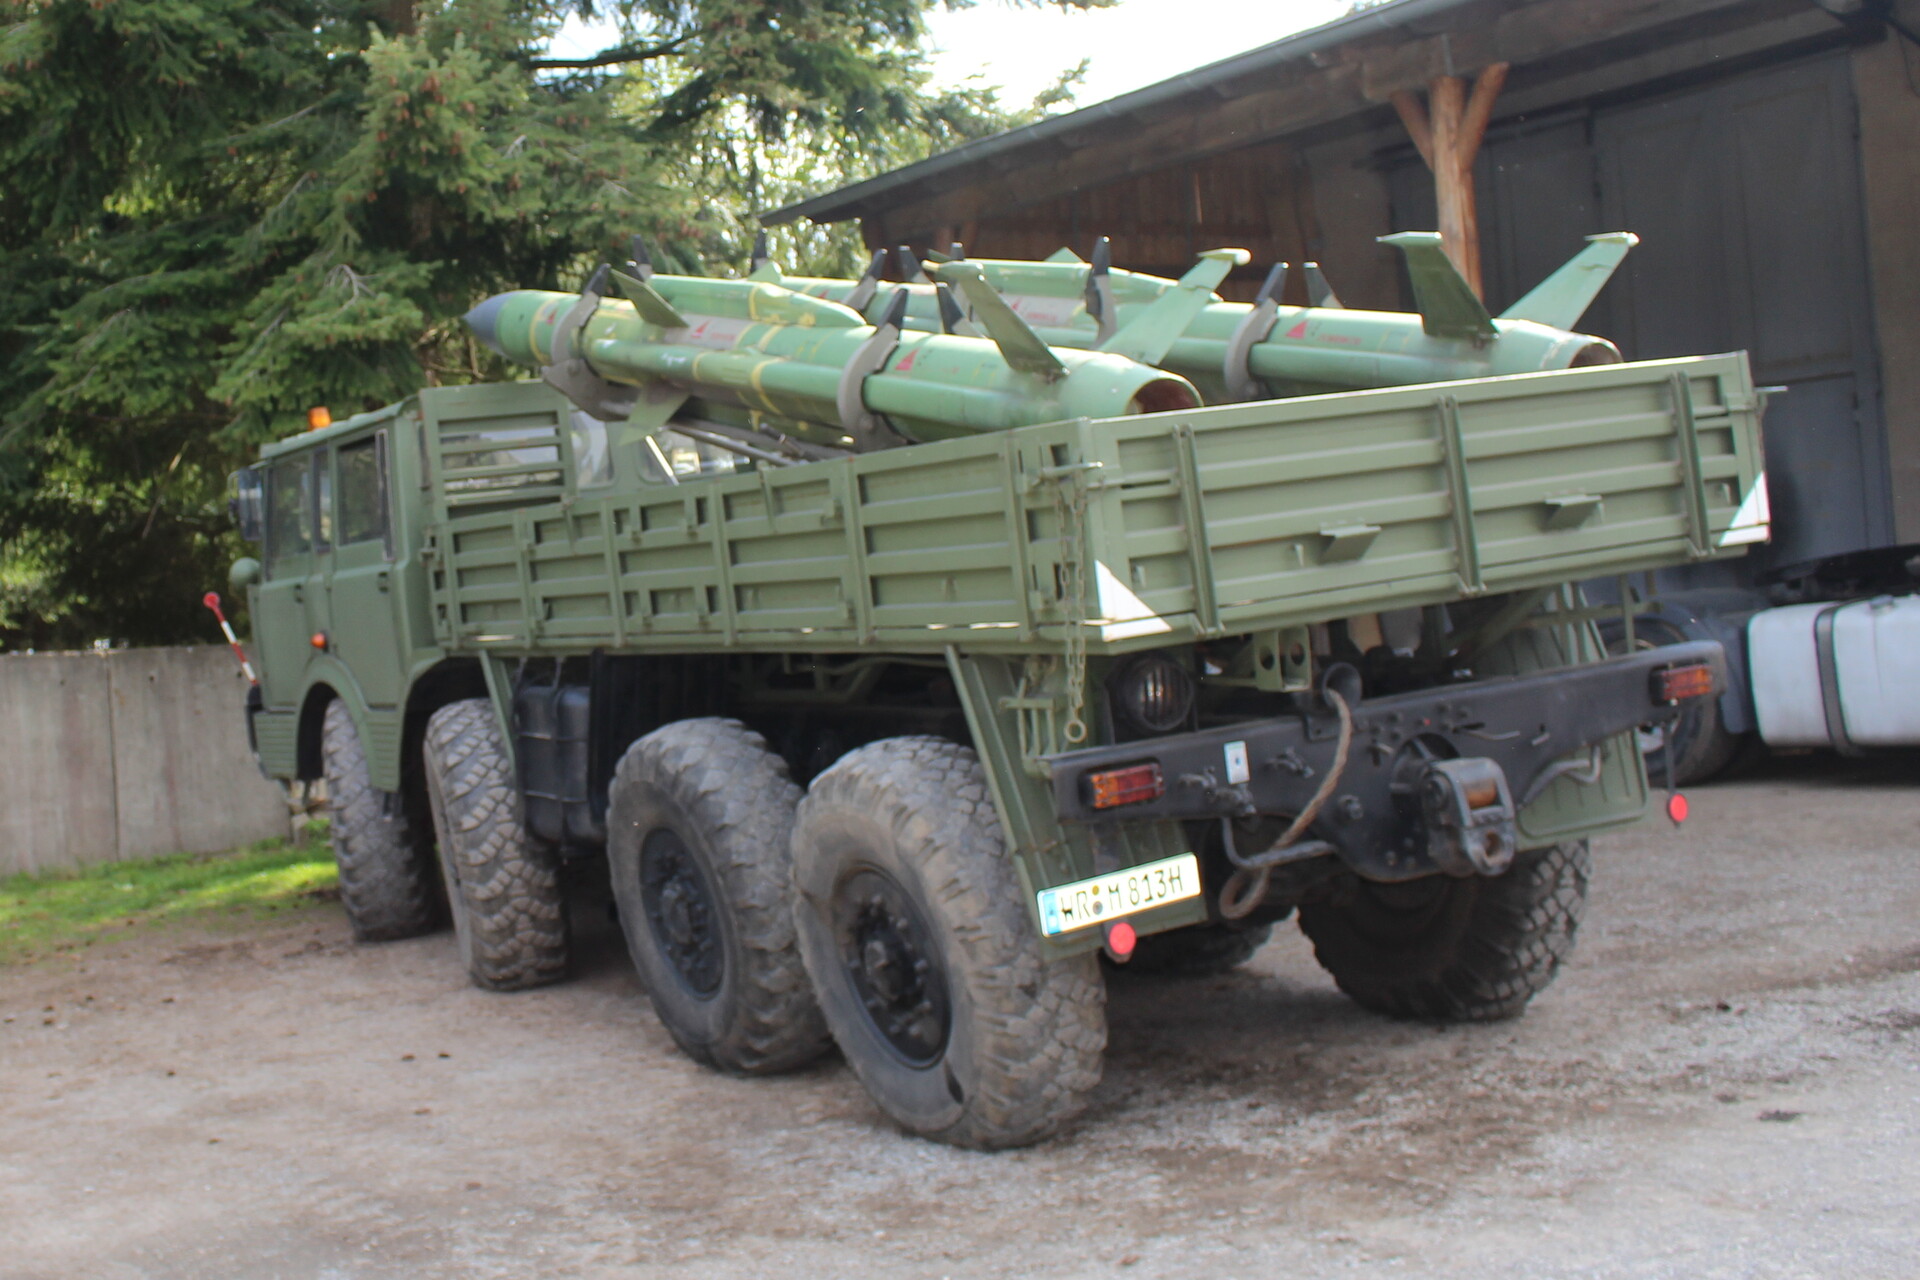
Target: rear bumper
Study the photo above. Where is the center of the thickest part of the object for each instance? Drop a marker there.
(1535, 728)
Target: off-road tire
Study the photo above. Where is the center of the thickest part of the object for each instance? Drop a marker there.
(1201, 951)
(504, 892)
(1467, 950)
(1024, 1037)
(726, 805)
(387, 885)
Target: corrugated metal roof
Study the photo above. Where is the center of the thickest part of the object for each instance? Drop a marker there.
(1215, 78)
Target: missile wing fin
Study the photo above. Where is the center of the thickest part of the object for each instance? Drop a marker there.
(1020, 345)
(1447, 306)
(1319, 292)
(1064, 255)
(657, 403)
(653, 308)
(1563, 297)
(1156, 327)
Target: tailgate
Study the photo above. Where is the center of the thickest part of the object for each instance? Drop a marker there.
(1379, 499)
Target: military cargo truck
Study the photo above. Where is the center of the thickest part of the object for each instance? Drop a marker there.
(889, 749)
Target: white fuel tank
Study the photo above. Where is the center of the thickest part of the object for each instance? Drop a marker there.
(1876, 667)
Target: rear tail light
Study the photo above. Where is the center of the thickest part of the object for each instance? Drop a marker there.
(1676, 683)
(1131, 785)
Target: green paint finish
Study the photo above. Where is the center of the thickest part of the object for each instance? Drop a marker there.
(521, 528)
(1260, 516)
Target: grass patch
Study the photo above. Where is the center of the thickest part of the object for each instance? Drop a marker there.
(63, 910)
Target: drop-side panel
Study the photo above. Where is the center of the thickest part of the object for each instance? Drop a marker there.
(1142, 530)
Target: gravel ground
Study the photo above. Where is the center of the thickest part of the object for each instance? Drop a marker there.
(1726, 1082)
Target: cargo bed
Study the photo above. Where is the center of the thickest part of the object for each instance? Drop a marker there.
(1134, 532)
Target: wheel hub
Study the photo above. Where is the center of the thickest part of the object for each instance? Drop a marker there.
(680, 909)
(889, 954)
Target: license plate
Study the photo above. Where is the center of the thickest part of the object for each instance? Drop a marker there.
(1085, 903)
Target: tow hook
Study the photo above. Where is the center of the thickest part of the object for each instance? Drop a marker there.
(1470, 817)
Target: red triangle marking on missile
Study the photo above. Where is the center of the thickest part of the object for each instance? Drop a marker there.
(907, 363)
(1298, 331)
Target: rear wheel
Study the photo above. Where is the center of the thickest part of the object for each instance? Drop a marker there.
(699, 828)
(917, 935)
(387, 884)
(1454, 950)
(503, 890)
(1696, 745)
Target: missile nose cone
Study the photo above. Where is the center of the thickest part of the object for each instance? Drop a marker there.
(483, 320)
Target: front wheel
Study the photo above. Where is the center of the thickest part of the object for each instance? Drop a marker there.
(504, 892)
(917, 936)
(1453, 950)
(387, 885)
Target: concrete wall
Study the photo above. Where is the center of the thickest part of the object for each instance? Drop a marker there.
(126, 755)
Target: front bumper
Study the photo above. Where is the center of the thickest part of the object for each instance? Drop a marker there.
(1535, 728)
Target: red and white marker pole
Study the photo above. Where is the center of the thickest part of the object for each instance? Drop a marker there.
(212, 601)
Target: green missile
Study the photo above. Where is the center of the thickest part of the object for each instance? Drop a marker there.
(1240, 351)
(731, 348)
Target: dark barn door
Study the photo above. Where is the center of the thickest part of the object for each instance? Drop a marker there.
(1746, 196)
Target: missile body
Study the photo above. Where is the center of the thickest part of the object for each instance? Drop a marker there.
(1301, 350)
(805, 361)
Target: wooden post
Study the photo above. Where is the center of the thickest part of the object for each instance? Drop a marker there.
(1447, 131)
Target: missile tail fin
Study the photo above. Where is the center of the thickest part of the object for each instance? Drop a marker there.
(762, 267)
(869, 283)
(1099, 300)
(1563, 297)
(910, 268)
(641, 267)
(1447, 306)
(1319, 292)
(646, 300)
(1063, 255)
(1019, 345)
(952, 318)
(1155, 328)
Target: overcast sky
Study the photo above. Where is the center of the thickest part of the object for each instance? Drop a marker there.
(1133, 44)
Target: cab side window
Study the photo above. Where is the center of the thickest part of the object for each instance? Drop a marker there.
(289, 513)
(323, 504)
(361, 502)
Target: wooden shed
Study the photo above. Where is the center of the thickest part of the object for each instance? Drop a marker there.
(1766, 151)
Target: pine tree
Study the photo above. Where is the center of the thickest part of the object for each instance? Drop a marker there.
(218, 213)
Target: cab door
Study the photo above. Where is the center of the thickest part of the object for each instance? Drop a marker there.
(280, 619)
(320, 564)
(360, 584)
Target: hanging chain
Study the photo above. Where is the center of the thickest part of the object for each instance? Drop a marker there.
(1070, 508)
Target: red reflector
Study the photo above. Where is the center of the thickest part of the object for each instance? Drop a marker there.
(1130, 785)
(1677, 808)
(1121, 939)
(1676, 683)
(319, 640)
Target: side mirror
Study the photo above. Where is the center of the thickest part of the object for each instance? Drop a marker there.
(244, 573)
(247, 501)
